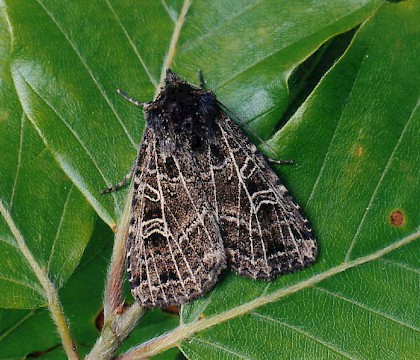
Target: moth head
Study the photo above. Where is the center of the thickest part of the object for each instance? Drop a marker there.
(182, 112)
(179, 101)
(172, 78)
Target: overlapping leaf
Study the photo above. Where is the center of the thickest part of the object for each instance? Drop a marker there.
(357, 166)
(352, 142)
(50, 213)
(82, 53)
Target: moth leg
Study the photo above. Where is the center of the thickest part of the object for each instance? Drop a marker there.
(121, 183)
(280, 162)
(201, 79)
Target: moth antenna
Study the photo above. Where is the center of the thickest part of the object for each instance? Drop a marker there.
(130, 99)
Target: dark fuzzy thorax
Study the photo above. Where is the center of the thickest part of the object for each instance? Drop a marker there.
(183, 112)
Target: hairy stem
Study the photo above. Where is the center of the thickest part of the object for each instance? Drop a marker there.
(116, 326)
(115, 278)
(51, 294)
(115, 331)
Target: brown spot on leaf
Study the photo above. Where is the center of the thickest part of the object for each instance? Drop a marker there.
(397, 218)
(360, 151)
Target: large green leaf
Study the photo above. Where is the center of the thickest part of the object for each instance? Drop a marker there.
(68, 61)
(24, 332)
(355, 143)
(354, 166)
(54, 219)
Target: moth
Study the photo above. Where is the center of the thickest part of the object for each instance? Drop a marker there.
(204, 200)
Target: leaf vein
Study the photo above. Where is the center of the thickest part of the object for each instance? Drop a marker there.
(22, 122)
(273, 53)
(75, 135)
(199, 310)
(60, 224)
(14, 245)
(90, 72)
(384, 172)
(401, 265)
(16, 325)
(165, 5)
(326, 158)
(181, 333)
(192, 44)
(363, 306)
(221, 347)
(170, 54)
(50, 292)
(30, 286)
(131, 42)
(305, 333)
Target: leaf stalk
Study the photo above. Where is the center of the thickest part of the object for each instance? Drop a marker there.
(50, 291)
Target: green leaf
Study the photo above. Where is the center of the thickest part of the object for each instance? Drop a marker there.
(24, 332)
(357, 161)
(15, 327)
(353, 143)
(82, 300)
(66, 77)
(52, 216)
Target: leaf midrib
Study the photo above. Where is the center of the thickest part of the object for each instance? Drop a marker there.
(170, 54)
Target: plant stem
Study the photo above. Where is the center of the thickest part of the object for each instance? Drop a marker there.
(60, 320)
(51, 293)
(116, 326)
(114, 332)
(115, 277)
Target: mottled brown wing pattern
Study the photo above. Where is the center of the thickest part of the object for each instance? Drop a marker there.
(175, 252)
(205, 198)
(263, 231)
